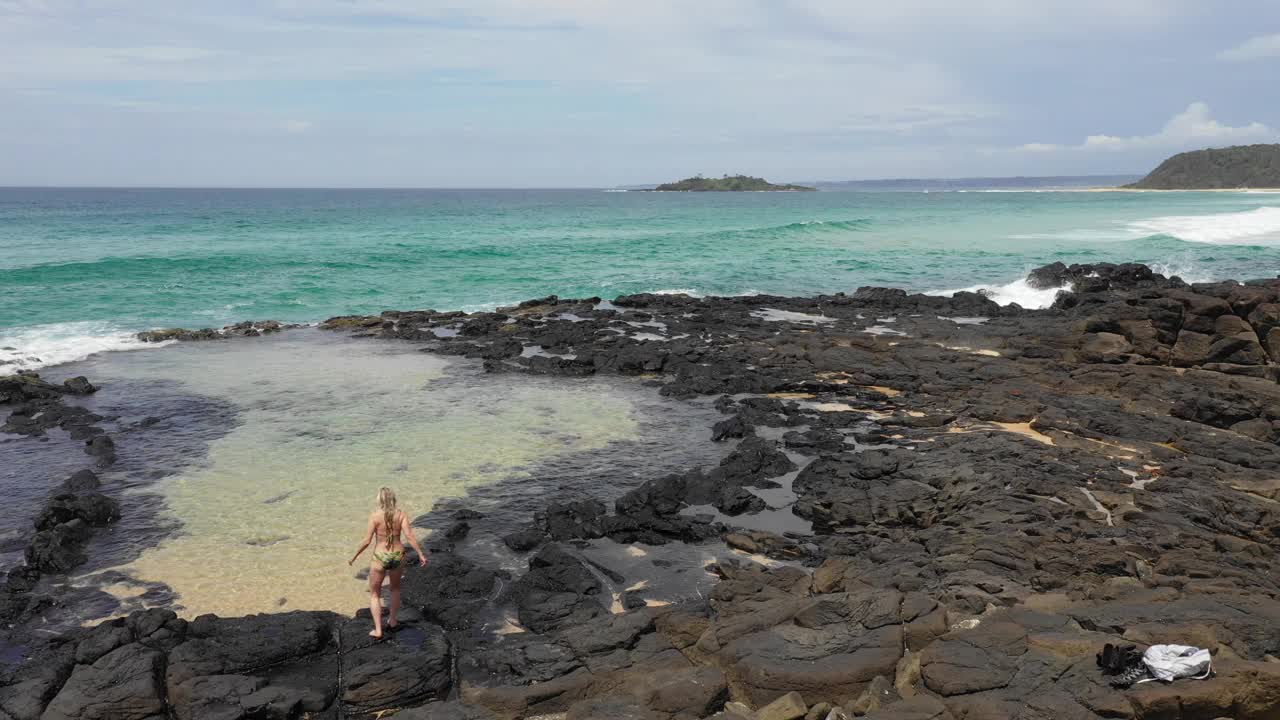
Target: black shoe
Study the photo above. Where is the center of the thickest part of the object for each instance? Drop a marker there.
(1131, 676)
(1115, 659)
(1109, 660)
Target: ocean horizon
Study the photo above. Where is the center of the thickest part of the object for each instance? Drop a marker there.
(1050, 181)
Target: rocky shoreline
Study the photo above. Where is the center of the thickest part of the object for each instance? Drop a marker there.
(987, 495)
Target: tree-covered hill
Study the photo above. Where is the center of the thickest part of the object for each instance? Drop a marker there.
(728, 183)
(1243, 166)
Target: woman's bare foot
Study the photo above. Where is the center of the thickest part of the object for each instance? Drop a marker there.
(393, 626)
(375, 634)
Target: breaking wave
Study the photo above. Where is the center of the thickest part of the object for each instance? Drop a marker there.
(1021, 292)
(1017, 291)
(29, 348)
(1260, 226)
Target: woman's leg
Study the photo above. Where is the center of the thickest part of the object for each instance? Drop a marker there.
(394, 576)
(376, 573)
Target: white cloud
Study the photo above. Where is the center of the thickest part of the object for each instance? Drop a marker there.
(157, 54)
(1191, 128)
(714, 68)
(1263, 47)
(1053, 17)
(872, 16)
(833, 88)
(625, 41)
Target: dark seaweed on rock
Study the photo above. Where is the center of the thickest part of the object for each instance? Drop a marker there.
(249, 328)
(992, 494)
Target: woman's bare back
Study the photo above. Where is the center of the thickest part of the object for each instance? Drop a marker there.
(384, 540)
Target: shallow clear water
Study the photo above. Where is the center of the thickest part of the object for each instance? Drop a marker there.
(80, 268)
(251, 488)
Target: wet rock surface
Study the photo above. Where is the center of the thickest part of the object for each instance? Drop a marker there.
(941, 508)
(68, 519)
(248, 328)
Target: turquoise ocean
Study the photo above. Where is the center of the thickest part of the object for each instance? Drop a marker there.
(83, 269)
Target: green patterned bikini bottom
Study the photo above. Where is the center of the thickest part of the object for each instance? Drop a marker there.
(390, 559)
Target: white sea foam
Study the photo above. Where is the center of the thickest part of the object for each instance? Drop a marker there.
(1184, 267)
(486, 307)
(1260, 226)
(1119, 233)
(1017, 291)
(40, 346)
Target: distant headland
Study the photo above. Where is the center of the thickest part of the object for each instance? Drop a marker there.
(1231, 168)
(729, 183)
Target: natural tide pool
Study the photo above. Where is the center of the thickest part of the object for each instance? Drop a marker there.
(248, 467)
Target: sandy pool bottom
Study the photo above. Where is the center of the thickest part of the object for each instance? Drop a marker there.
(271, 515)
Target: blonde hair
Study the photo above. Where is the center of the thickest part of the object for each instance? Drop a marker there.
(387, 504)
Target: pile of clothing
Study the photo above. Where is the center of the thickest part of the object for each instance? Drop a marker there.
(1127, 666)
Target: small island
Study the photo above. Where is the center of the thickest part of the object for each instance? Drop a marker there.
(1230, 168)
(729, 183)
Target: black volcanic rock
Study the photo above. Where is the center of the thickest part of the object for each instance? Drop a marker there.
(451, 590)
(126, 683)
(966, 512)
(580, 519)
(37, 416)
(26, 386)
(559, 590)
(81, 480)
(94, 509)
(452, 710)
(79, 386)
(103, 448)
(261, 664)
(59, 548)
(21, 579)
(524, 540)
(412, 666)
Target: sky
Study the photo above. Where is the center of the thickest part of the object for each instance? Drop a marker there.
(596, 93)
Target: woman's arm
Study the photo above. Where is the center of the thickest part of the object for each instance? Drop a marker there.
(364, 544)
(407, 531)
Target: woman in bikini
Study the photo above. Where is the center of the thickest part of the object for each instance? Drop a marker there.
(387, 525)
